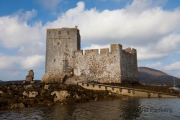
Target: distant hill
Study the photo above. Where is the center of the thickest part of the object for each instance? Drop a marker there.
(151, 76)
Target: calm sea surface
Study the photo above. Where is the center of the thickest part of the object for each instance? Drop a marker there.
(134, 109)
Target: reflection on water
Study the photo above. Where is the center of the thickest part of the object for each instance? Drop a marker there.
(138, 109)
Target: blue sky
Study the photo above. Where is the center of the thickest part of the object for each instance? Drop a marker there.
(150, 26)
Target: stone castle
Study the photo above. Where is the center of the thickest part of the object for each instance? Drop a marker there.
(67, 63)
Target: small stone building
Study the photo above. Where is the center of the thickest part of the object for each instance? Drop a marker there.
(65, 61)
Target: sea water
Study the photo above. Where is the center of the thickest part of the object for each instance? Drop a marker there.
(132, 109)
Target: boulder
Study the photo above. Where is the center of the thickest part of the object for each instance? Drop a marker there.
(17, 105)
(29, 87)
(1, 92)
(46, 87)
(60, 95)
(30, 94)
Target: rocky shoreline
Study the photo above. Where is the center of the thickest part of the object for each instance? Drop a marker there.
(32, 95)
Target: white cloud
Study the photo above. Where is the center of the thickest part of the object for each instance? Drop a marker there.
(25, 15)
(15, 32)
(33, 62)
(33, 48)
(168, 44)
(157, 65)
(171, 69)
(138, 5)
(173, 66)
(148, 53)
(21, 63)
(9, 62)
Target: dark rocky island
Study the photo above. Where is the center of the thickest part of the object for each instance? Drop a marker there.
(30, 93)
(40, 94)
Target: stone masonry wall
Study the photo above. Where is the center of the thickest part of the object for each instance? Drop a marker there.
(129, 65)
(60, 46)
(103, 67)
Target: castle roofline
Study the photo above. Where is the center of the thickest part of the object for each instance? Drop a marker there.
(75, 28)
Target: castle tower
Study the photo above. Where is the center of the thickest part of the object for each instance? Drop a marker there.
(66, 63)
(60, 46)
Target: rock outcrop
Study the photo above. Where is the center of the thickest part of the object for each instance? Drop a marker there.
(60, 95)
(30, 94)
(17, 96)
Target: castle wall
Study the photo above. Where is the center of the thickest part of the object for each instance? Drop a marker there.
(129, 65)
(64, 57)
(60, 46)
(103, 67)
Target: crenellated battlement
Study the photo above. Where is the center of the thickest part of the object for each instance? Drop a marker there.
(78, 52)
(133, 51)
(113, 48)
(130, 51)
(92, 52)
(104, 50)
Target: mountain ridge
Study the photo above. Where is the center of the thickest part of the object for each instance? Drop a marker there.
(152, 76)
